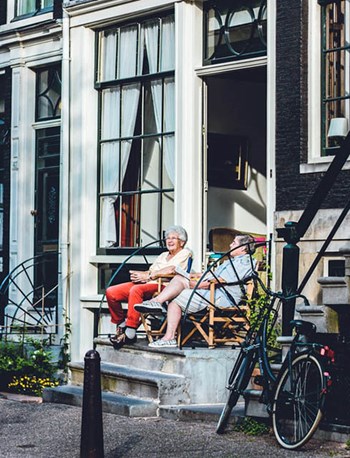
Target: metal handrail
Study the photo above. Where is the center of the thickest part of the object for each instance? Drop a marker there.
(29, 297)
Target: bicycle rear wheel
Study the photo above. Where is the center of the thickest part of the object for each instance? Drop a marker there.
(298, 401)
(237, 383)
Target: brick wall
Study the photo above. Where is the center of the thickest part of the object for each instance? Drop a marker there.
(292, 189)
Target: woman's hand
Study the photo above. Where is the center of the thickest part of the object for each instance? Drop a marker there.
(138, 277)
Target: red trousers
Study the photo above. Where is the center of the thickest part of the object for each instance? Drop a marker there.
(133, 293)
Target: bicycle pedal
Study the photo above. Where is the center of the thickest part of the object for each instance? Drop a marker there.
(259, 380)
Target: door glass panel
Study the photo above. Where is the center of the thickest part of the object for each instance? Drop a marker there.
(47, 212)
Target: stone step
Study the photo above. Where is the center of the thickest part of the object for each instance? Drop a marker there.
(205, 370)
(130, 381)
(111, 402)
(167, 360)
(253, 406)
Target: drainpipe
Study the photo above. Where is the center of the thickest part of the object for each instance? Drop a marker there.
(65, 167)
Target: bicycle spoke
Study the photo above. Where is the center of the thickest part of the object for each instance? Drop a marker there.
(298, 401)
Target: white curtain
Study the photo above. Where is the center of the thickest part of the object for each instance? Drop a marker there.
(25, 7)
(108, 57)
(151, 36)
(128, 101)
(128, 52)
(167, 61)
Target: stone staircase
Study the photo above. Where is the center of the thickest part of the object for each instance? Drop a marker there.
(141, 381)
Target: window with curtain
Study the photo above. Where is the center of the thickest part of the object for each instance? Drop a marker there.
(135, 80)
(32, 7)
(335, 67)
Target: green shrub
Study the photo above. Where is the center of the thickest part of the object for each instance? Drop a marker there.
(252, 427)
(26, 366)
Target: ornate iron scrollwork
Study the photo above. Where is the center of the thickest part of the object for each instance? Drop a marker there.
(234, 31)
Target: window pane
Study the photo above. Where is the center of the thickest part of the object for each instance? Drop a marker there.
(151, 163)
(130, 104)
(152, 107)
(108, 228)
(108, 55)
(109, 178)
(29, 6)
(168, 161)
(110, 118)
(25, 7)
(151, 36)
(169, 105)
(127, 52)
(167, 61)
(150, 216)
(167, 209)
(49, 93)
(234, 30)
(46, 3)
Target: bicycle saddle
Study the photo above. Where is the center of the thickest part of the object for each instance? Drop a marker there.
(303, 327)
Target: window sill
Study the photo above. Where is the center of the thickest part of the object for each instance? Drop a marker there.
(24, 22)
(118, 259)
(321, 166)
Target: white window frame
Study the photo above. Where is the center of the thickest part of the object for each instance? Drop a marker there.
(316, 162)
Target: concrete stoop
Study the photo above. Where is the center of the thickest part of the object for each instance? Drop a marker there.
(141, 381)
(111, 402)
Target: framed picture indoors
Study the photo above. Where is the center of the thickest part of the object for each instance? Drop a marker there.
(227, 161)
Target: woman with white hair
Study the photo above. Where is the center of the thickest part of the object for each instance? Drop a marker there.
(143, 285)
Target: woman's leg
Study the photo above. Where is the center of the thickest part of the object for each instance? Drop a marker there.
(173, 289)
(115, 296)
(138, 293)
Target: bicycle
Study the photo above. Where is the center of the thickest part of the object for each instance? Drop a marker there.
(295, 397)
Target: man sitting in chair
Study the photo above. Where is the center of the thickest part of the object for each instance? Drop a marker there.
(236, 268)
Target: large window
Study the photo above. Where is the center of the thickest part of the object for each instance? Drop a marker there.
(32, 7)
(335, 67)
(135, 79)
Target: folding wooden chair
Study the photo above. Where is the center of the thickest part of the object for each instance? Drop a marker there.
(219, 325)
(155, 325)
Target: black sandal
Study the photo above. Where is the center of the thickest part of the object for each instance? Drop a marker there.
(120, 340)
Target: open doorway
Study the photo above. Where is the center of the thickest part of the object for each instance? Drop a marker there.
(236, 194)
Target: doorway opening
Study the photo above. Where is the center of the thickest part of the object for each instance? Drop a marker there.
(236, 191)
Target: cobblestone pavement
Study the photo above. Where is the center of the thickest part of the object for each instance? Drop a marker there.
(54, 430)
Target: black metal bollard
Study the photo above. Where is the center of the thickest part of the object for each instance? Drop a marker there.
(91, 445)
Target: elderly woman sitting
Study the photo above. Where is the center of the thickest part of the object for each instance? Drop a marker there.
(143, 285)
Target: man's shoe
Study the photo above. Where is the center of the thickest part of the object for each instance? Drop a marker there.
(150, 307)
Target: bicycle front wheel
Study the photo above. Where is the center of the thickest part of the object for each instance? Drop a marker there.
(238, 382)
(298, 401)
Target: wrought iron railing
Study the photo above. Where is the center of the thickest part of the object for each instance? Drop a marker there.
(29, 297)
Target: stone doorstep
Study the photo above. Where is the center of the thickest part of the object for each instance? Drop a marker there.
(167, 360)
(21, 397)
(145, 384)
(111, 402)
